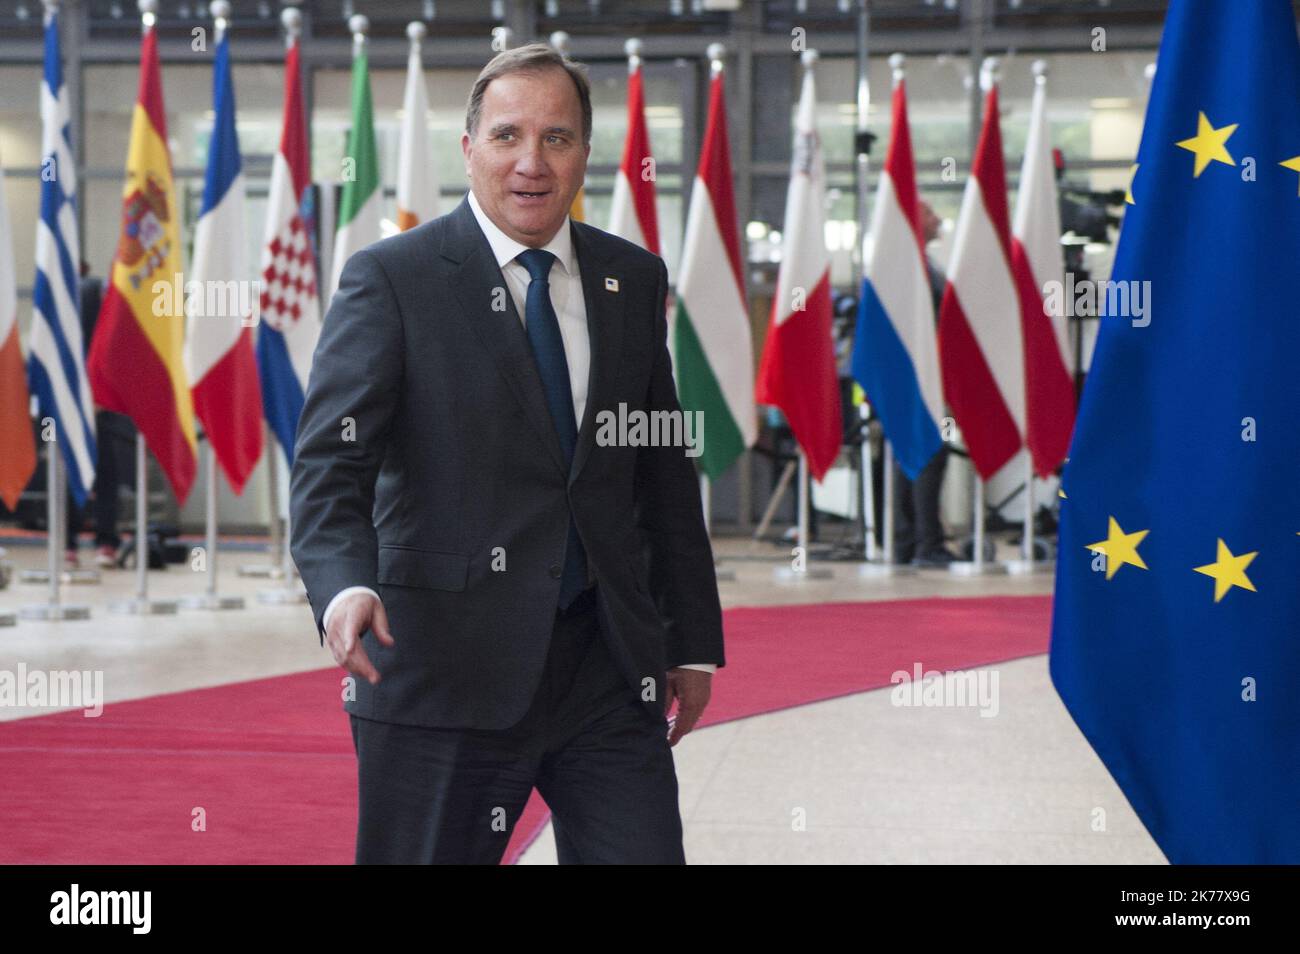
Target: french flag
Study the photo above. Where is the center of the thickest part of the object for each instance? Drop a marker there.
(980, 352)
(895, 356)
(290, 324)
(219, 347)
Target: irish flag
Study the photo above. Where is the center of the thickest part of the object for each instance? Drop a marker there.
(712, 353)
(1036, 260)
(19, 458)
(980, 352)
(359, 209)
(797, 373)
(633, 214)
(136, 364)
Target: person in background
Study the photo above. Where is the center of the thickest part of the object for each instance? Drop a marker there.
(918, 531)
(114, 440)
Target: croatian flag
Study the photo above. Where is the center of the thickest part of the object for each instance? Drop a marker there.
(219, 346)
(895, 355)
(290, 321)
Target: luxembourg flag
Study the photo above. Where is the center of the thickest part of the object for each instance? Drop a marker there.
(632, 215)
(797, 372)
(290, 321)
(895, 355)
(219, 347)
(1036, 260)
(980, 352)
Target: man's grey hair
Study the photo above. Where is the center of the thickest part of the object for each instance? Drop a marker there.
(529, 59)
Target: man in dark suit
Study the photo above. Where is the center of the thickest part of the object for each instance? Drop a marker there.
(550, 593)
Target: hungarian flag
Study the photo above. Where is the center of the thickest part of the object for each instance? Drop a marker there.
(980, 353)
(219, 346)
(712, 353)
(290, 325)
(633, 214)
(797, 372)
(19, 458)
(1036, 260)
(417, 187)
(136, 364)
(360, 208)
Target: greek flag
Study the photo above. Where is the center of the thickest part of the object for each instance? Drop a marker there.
(56, 368)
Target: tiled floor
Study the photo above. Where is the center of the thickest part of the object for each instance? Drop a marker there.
(855, 779)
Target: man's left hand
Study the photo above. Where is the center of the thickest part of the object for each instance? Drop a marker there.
(691, 688)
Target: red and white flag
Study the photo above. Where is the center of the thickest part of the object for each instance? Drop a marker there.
(417, 184)
(797, 371)
(980, 352)
(632, 215)
(1036, 260)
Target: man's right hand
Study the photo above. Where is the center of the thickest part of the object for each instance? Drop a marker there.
(352, 617)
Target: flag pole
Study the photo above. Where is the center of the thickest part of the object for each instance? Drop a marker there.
(278, 549)
(862, 148)
(868, 502)
(220, 10)
(270, 570)
(800, 569)
(879, 565)
(55, 505)
(142, 605)
(977, 566)
(291, 18)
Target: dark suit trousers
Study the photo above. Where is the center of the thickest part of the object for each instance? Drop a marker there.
(453, 796)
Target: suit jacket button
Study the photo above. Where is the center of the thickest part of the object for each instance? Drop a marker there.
(556, 571)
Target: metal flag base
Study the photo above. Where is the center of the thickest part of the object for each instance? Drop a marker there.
(885, 571)
(212, 601)
(261, 571)
(1029, 567)
(788, 574)
(285, 596)
(143, 606)
(65, 576)
(55, 611)
(969, 569)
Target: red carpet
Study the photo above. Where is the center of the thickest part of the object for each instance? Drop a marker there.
(265, 769)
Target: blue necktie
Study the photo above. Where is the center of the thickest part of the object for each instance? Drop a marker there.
(543, 329)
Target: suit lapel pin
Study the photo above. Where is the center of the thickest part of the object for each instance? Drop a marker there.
(611, 284)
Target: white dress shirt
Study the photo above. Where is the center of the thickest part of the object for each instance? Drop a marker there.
(571, 310)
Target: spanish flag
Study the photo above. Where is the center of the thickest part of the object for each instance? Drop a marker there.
(136, 365)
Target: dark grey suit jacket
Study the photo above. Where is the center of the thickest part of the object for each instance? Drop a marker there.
(426, 457)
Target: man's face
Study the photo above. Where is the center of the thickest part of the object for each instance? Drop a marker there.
(526, 160)
(929, 222)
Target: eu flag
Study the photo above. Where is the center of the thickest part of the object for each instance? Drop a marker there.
(1176, 630)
